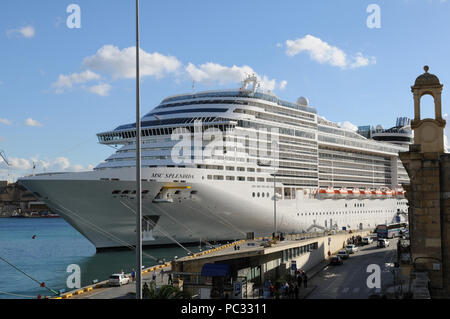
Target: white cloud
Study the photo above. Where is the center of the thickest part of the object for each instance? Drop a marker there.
(122, 63)
(23, 166)
(26, 32)
(320, 51)
(446, 145)
(361, 61)
(213, 73)
(101, 89)
(67, 81)
(30, 122)
(5, 121)
(283, 84)
(348, 126)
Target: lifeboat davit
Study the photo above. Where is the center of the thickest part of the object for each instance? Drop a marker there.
(354, 193)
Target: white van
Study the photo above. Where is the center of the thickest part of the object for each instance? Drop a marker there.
(367, 240)
(118, 280)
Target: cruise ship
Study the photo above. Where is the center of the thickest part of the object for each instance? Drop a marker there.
(218, 165)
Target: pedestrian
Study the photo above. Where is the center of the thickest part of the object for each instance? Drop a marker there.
(170, 280)
(305, 280)
(291, 291)
(296, 291)
(146, 291)
(154, 275)
(284, 289)
(272, 290)
(299, 280)
(133, 275)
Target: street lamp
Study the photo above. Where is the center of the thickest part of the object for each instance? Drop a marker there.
(274, 189)
(138, 169)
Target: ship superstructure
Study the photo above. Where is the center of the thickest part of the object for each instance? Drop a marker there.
(214, 162)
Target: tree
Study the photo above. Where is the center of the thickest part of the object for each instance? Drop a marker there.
(164, 292)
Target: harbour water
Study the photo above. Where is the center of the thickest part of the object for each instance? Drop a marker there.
(56, 246)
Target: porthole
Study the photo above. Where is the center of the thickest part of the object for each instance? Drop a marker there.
(253, 194)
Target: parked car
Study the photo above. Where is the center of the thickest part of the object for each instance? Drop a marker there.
(367, 240)
(118, 280)
(343, 254)
(382, 242)
(336, 260)
(351, 249)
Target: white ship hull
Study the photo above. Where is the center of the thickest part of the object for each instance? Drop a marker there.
(198, 209)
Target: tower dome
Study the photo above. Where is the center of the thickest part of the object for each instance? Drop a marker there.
(427, 79)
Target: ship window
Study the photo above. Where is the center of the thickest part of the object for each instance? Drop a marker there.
(259, 194)
(218, 177)
(145, 191)
(116, 192)
(241, 169)
(209, 176)
(241, 178)
(126, 192)
(230, 168)
(249, 169)
(254, 194)
(268, 195)
(260, 179)
(263, 194)
(230, 178)
(250, 179)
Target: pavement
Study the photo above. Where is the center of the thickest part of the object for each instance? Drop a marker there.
(349, 281)
(126, 291)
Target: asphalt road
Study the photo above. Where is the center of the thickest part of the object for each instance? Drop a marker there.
(349, 281)
(124, 291)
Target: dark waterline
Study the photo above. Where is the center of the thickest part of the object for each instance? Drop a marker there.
(56, 246)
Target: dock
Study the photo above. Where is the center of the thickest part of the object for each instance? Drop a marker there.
(245, 265)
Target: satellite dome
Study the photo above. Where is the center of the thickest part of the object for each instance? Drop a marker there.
(302, 101)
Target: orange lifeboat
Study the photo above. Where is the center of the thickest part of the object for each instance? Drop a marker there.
(389, 193)
(367, 193)
(400, 193)
(326, 192)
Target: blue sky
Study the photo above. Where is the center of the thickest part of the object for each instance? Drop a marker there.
(61, 86)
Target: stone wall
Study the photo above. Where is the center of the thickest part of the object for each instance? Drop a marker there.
(429, 215)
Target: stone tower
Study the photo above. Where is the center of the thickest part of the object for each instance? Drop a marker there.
(429, 133)
(428, 194)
